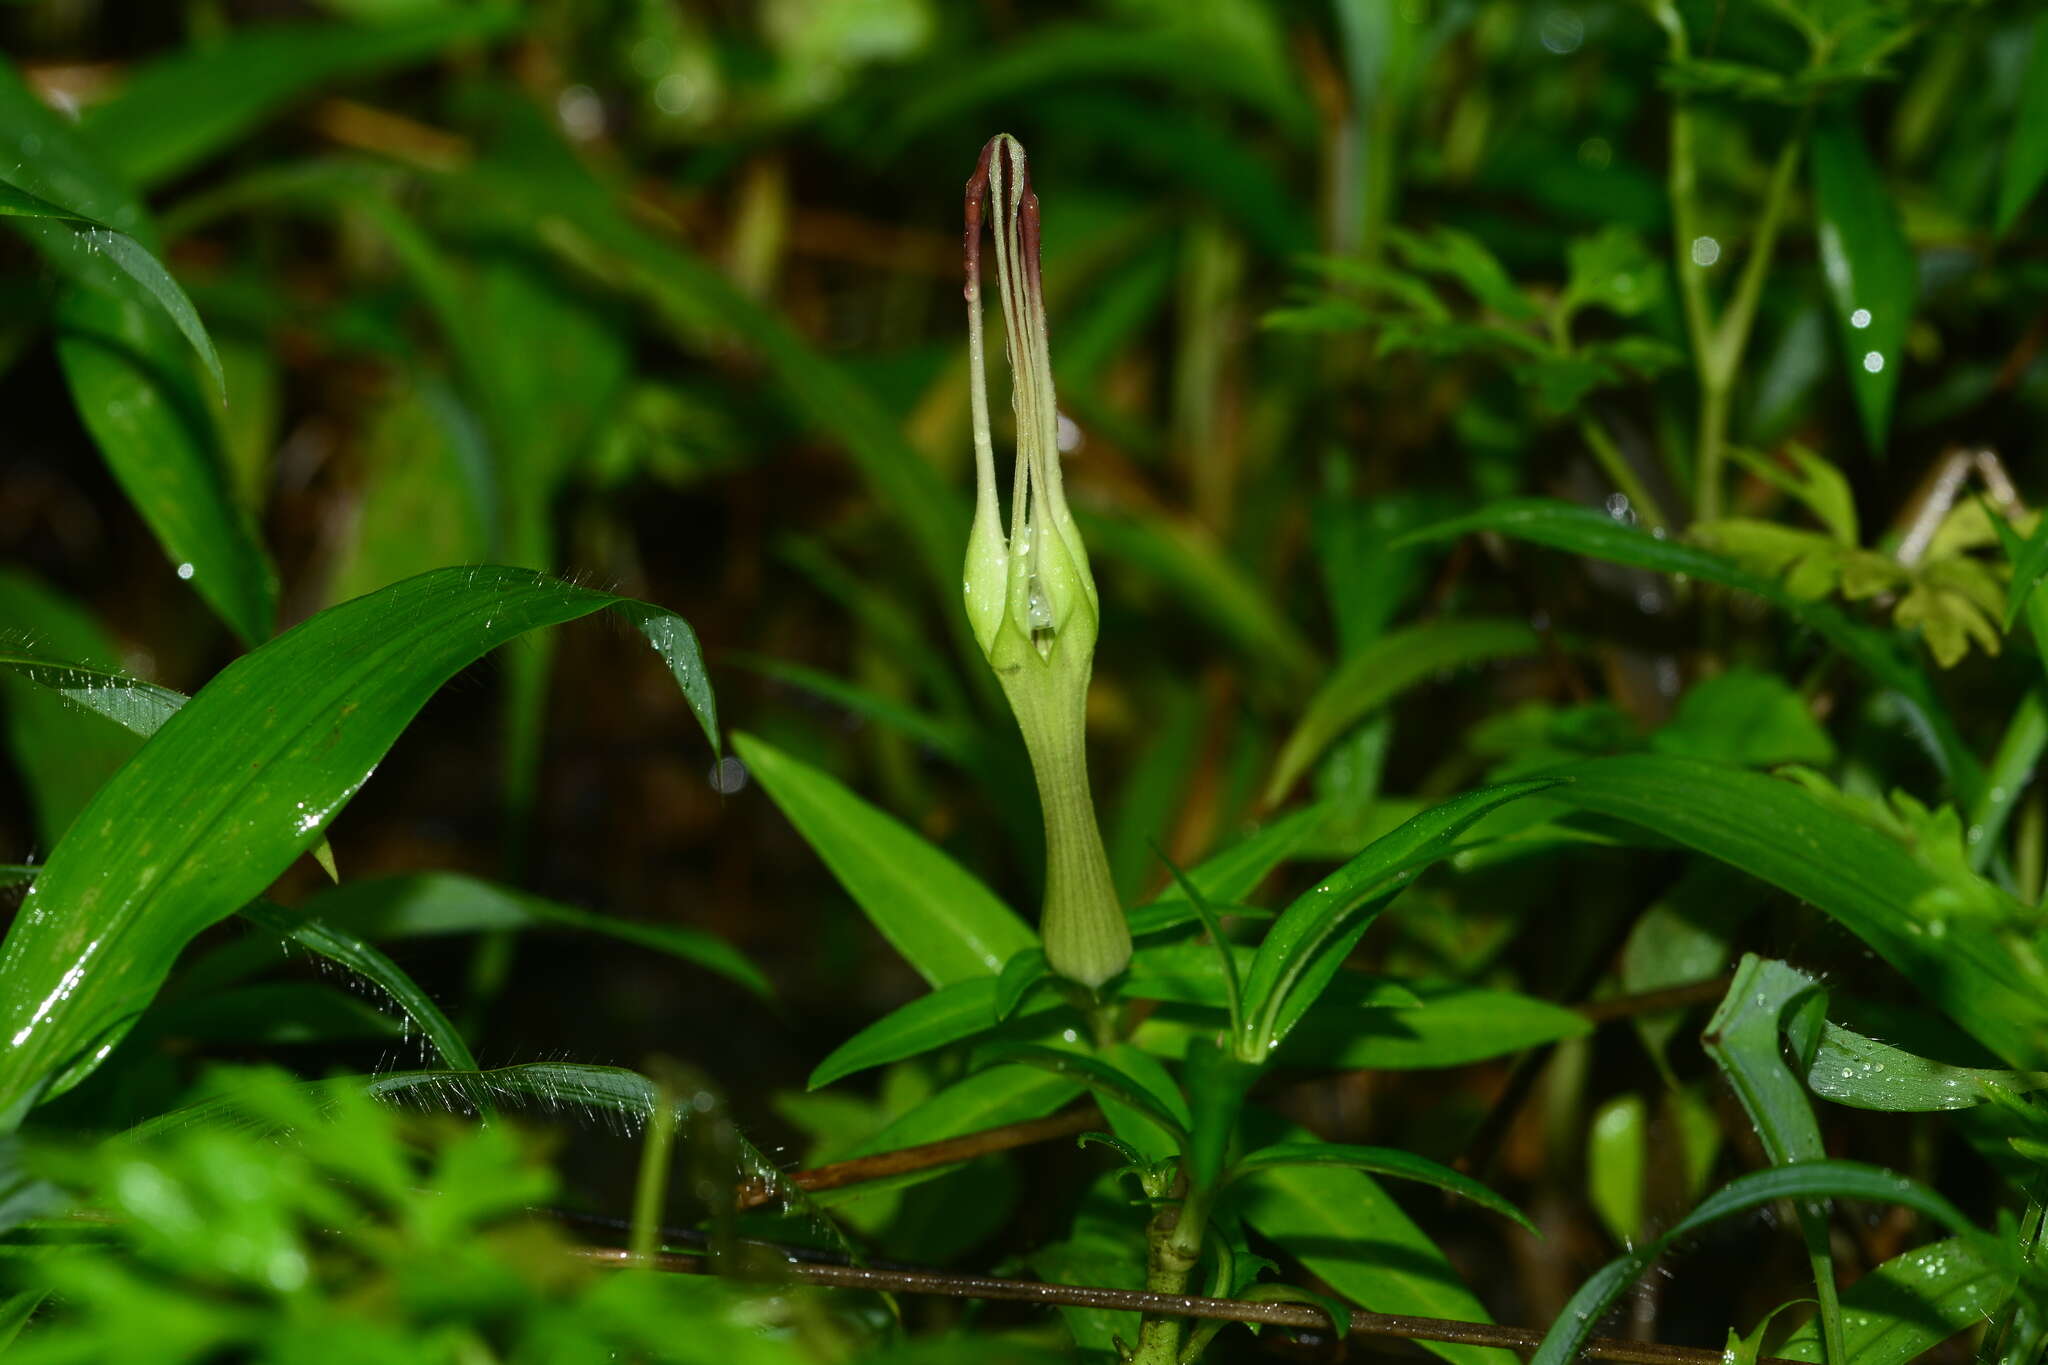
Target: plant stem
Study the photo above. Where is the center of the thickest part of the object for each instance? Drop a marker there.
(650, 1195)
(1620, 470)
(2026, 736)
(1173, 1247)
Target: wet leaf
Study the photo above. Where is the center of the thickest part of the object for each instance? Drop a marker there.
(1898, 1310)
(288, 734)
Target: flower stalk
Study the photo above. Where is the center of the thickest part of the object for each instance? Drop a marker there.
(1030, 596)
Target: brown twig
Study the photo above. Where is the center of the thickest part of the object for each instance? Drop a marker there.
(904, 1160)
(1181, 1305)
(861, 1169)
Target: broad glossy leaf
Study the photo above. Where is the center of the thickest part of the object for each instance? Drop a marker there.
(185, 108)
(62, 750)
(1981, 972)
(1910, 1304)
(1872, 276)
(1381, 671)
(452, 903)
(1863, 1073)
(2026, 155)
(1809, 1180)
(1589, 531)
(937, 914)
(238, 783)
(1297, 953)
(1351, 1235)
(1379, 1161)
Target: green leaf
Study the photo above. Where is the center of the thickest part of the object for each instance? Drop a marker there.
(1910, 1304)
(1163, 1107)
(270, 1014)
(1806, 1181)
(1766, 1000)
(183, 109)
(943, 920)
(947, 1015)
(1383, 670)
(238, 783)
(1379, 1161)
(1351, 1235)
(1298, 954)
(1589, 531)
(1813, 480)
(1454, 1026)
(436, 1029)
(1617, 1152)
(1613, 270)
(2026, 155)
(1863, 1073)
(1023, 973)
(150, 282)
(1941, 931)
(451, 903)
(1745, 717)
(149, 421)
(2029, 559)
(1219, 943)
(1872, 276)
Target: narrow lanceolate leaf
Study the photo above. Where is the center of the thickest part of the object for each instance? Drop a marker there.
(1871, 274)
(185, 108)
(145, 275)
(1948, 938)
(1379, 1161)
(338, 945)
(1161, 1106)
(1591, 532)
(935, 912)
(1234, 873)
(1911, 1304)
(1808, 1180)
(238, 783)
(1863, 1073)
(128, 368)
(1300, 952)
(1382, 671)
(2026, 155)
(947, 1015)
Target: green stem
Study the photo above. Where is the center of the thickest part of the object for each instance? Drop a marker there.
(2026, 737)
(1173, 1249)
(650, 1194)
(1620, 471)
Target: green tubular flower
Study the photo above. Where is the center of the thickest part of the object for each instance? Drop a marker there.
(1030, 597)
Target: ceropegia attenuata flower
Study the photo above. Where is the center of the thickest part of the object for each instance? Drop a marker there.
(1030, 597)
